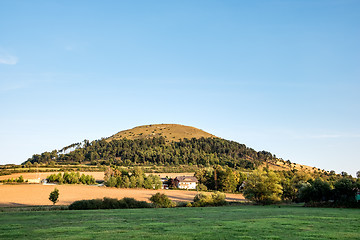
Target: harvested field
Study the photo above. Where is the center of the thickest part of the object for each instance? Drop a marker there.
(99, 176)
(43, 175)
(36, 194)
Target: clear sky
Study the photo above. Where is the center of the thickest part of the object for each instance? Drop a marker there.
(281, 76)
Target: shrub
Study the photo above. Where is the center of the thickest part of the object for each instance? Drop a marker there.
(86, 204)
(20, 179)
(182, 204)
(108, 203)
(132, 203)
(218, 199)
(215, 199)
(201, 187)
(160, 200)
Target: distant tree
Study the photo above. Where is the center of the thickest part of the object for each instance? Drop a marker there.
(160, 200)
(358, 174)
(54, 196)
(263, 187)
(148, 183)
(316, 191)
(345, 190)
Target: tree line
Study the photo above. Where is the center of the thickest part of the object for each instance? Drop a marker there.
(265, 186)
(136, 178)
(71, 178)
(125, 152)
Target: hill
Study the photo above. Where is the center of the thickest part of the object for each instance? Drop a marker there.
(171, 132)
(167, 145)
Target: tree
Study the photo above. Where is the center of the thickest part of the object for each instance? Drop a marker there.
(345, 190)
(160, 200)
(54, 196)
(263, 187)
(315, 191)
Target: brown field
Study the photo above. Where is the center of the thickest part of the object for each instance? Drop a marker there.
(97, 175)
(36, 194)
(43, 175)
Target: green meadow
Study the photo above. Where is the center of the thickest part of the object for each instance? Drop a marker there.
(231, 222)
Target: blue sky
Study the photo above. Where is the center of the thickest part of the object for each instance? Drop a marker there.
(283, 76)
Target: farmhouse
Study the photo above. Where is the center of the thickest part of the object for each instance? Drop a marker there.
(186, 182)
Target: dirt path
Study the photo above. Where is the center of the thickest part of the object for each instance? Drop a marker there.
(36, 194)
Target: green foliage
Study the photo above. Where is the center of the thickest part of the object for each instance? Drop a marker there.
(345, 190)
(219, 178)
(215, 199)
(263, 187)
(71, 178)
(318, 190)
(54, 196)
(20, 179)
(124, 152)
(160, 200)
(134, 179)
(108, 203)
(201, 187)
(291, 181)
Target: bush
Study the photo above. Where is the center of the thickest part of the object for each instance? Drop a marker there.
(108, 203)
(201, 187)
(160, 200)
(132, 203)
(182, 204)
(215, 199)
(218, 199)
(86, 204)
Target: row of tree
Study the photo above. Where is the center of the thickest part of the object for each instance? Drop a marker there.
(136, 178)
(124, 152)
(20, 179)
(265, 186)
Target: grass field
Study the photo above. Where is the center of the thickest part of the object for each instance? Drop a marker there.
(233, 222)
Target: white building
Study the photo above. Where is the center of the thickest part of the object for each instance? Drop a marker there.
(186, 182)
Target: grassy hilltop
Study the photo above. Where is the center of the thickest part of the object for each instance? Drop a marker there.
(171, 132)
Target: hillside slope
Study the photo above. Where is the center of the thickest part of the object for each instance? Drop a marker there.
(171, 132)
(166, 145)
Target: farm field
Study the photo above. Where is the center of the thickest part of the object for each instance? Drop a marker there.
(99, 176)
(37, 194)
(42, 175)
(233, 222)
